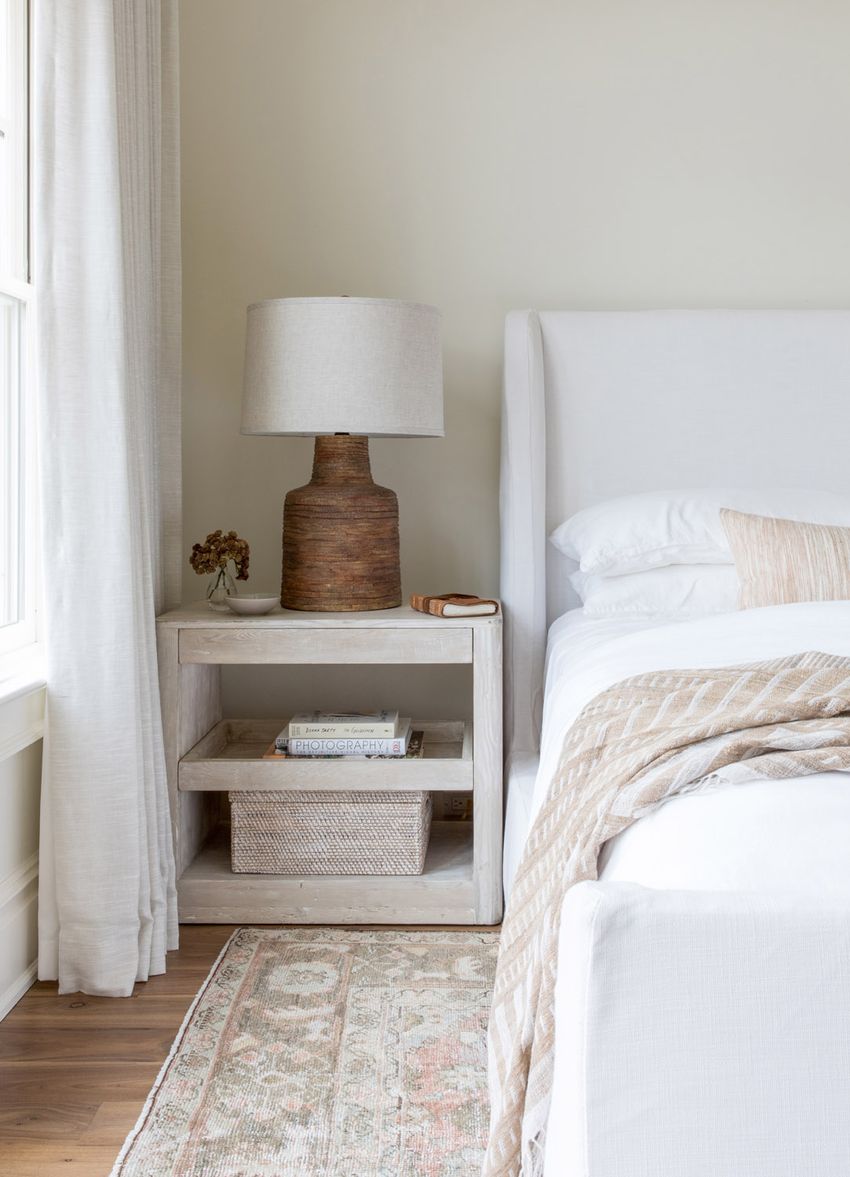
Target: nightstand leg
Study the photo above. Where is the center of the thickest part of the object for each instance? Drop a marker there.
(190, 696)
(487, 773)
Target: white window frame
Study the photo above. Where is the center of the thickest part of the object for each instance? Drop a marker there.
(21, 639)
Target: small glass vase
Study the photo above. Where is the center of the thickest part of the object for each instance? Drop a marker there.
(221, 587)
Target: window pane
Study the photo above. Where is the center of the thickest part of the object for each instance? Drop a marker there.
(11, 497)
(13, 139)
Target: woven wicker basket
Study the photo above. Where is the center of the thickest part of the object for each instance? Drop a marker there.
(329, 833)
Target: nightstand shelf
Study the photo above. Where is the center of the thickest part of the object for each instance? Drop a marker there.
(442, 894)
(208, 755)
(230, 756)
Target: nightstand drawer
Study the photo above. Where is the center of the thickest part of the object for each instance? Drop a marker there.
(325, 645)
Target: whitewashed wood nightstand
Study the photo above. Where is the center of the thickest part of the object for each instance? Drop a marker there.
(208, 754)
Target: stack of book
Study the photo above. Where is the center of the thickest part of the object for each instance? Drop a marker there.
(355, 736)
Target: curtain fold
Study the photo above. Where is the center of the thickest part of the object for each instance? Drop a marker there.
(107, 279)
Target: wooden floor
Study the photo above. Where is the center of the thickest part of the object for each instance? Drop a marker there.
(75, 1071)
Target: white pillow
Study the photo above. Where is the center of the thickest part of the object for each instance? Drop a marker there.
(680, 590)
(639, 532)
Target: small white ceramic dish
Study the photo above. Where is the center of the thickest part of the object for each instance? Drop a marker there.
(253, 603)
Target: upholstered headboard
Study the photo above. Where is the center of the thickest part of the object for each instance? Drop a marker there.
(599, 404)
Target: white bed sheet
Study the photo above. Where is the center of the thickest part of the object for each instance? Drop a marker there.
(758, 836)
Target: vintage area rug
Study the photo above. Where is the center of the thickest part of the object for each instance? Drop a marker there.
(315, 1052)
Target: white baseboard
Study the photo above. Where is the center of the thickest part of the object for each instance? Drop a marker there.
(17, 989)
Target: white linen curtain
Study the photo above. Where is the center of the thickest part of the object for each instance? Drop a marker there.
(107, 279)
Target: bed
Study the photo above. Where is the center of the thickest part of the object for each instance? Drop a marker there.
(701, 1022)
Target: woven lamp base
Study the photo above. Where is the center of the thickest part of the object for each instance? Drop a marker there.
(340, 534)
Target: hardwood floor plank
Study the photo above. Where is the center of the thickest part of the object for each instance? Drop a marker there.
(151, 1011)
(52, 1159)
(33, 1084)
(45, 1120)
(47, 1044)
(111, 1123)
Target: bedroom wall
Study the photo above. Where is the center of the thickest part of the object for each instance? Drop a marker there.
(485, 155)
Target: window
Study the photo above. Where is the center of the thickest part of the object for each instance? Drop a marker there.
(18, 540)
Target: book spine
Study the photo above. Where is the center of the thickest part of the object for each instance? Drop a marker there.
(347, 746)
(423, 604)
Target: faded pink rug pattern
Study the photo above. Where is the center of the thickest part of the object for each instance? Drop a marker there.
(327, 1052)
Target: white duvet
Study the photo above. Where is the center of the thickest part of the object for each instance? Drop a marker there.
(726, 837)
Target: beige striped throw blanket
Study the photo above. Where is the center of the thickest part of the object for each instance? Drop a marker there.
(633, 746)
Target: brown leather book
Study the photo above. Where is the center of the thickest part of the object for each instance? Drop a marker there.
(454, 605)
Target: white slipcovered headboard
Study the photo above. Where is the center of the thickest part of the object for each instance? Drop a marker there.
(600, 404)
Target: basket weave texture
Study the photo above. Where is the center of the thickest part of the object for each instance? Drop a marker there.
(311, 833)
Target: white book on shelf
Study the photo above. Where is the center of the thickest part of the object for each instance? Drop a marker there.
(346, 745)
(332, 725)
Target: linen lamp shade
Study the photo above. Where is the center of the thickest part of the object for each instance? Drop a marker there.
(342, 370)
(366, 366)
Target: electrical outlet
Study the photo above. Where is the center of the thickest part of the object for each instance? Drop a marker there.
(457, 807)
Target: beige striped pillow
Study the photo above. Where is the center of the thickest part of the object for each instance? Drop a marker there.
(779, 561)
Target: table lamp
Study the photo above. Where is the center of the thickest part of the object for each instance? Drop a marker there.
(342, 370)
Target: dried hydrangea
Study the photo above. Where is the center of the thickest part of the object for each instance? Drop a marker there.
(214, 553)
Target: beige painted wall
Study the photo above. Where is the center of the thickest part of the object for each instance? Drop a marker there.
(484, 155)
